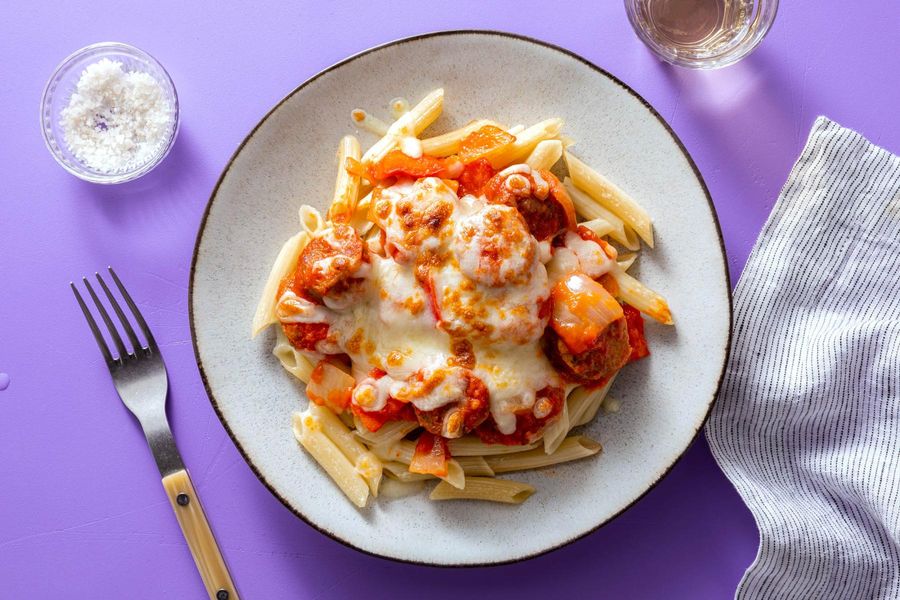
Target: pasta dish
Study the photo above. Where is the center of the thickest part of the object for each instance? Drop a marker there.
(459, 309)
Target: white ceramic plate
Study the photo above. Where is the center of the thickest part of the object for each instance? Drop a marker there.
(288, 159)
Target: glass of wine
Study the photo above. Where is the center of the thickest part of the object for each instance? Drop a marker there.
(701, 34)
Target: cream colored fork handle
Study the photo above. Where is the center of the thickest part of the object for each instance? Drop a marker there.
(199, 536)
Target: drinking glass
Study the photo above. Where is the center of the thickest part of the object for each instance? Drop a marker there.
(701, 34)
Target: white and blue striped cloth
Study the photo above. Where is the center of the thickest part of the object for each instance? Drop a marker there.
(807, 425)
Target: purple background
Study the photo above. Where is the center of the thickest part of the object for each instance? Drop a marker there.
(81, 509)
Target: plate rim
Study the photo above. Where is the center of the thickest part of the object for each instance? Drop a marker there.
(396, 42)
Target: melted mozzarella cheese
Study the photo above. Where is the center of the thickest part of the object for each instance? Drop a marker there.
(493, 246)
(496, 305)
(291, 308)
(412, 212)
(392, 329)
(577, 254)
(513, 375)
(410, 146)
(372, 394)
(495, 285)
(438, 387)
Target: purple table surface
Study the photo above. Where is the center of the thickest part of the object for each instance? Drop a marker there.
(82, 512)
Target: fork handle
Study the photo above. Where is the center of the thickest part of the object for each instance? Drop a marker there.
(195, 527)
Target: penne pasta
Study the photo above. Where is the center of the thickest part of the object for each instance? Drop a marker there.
(448, 143)
(471, 465)
(399, 107)
(370, 123)
(402, 452)
(472, 446)
(291, 359)
(390, 433)
(626, 260)
(411, 123)
(584, 402)
(363, 460)
(401, 472)
(360, 219)
(566, 140)
(588, 209)
(346, 185)
(455, 475)
(641, 297)
(632, 242)
(525, 143)
(610, 196)
(474, 466)
(546, 154)
(285, 263)
(555, 432)
(329, 456)
(484, 488)
(571, 448)
(599, 226)
(310, 220)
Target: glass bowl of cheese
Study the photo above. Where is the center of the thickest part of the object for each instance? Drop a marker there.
(109, 113)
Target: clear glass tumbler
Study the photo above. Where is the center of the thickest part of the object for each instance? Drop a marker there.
(701, 34)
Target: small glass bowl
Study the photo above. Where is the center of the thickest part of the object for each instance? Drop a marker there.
(63, 83)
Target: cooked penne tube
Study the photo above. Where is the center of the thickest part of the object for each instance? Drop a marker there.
(396, 452)
(472, 446)
(516, 129)
(346, 185)
(455, 475)
(291, 359)
(485, 488)
(584, 402)
(546, 154)
(310, 219)
(370, 123)
(399, 107)
(555, 432)
(641, 297)
(525, 143)
(360, 219)
(411, 123)
(308, 432)
(626, 260)
(402, 452)
(474, 466)
(599, 226)
(365, 462)
(390, 433)
(566, 140)
(401, 472)
(285, 263)
(632, 241)
(610, 196)
(590, 210)
(571, 448)
(448, 143)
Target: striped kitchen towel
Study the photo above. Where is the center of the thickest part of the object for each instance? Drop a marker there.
(807, 424)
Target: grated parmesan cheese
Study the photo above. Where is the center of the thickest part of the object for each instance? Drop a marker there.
(116, 120)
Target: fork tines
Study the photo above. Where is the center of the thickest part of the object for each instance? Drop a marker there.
(123, 353)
